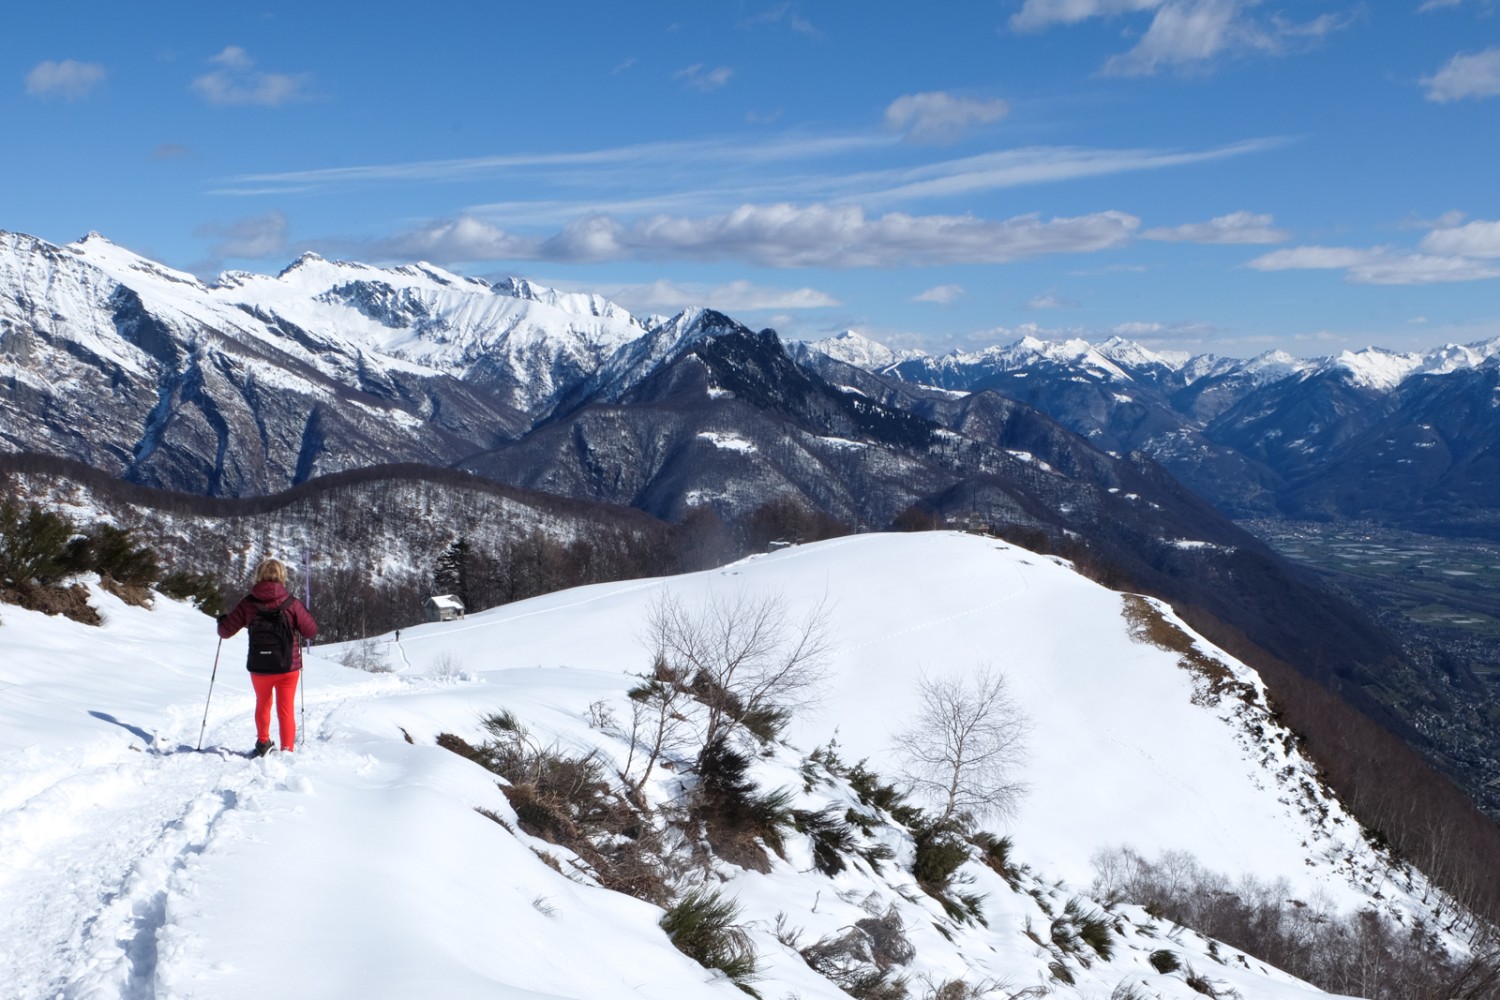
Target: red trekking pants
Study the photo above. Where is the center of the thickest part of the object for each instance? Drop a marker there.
(284, 686)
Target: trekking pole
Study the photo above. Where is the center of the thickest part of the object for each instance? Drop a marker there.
(211, 678)
(306, 645)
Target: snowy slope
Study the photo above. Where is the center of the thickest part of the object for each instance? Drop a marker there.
(131, 866)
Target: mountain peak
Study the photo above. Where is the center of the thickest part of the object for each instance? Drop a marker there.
(1374, 367)
(858, 350)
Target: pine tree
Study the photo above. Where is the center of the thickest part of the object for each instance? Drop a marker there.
(452, 573)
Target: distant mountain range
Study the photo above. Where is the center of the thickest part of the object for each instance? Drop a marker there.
(1408, 439)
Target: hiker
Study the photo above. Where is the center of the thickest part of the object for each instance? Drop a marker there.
(276, 620)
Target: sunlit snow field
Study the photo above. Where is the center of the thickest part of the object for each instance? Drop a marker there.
(133, 866)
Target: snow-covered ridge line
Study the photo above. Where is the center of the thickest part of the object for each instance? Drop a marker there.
(166, 850)
(1120, 359)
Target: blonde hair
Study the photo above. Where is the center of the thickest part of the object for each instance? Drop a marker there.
(271, 569)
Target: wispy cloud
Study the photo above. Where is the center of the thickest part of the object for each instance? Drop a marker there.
(1040, 165)
(1467, 253)
(729, 297)
(1184, 35)
(698, 78)
(939, 117)
(1466, 76)
(1234, 228)
(236, 81)
(649, 159)
(253, 238)
(782, 235)
(943, 295)
(170, 151)
(784, 14)
(1050, 300)
(69, 79)
(717, 175)
(1036, 15)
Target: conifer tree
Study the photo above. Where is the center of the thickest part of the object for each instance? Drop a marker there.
(452, 573)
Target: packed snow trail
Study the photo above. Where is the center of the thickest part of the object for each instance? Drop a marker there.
(108, 838)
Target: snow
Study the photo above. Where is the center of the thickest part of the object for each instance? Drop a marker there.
(132, 866)
(1375, 368)
(728, 442)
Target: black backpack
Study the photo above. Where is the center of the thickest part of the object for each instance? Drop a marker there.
(271, 640)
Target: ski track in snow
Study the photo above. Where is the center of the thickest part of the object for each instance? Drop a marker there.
(113, 838)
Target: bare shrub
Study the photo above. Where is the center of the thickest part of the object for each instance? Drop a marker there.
(446, 667)
(1360, 954)
(366, 655)
(861, 960)
(967, 742)
(744, 658)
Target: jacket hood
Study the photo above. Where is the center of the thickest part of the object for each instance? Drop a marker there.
(269, 592)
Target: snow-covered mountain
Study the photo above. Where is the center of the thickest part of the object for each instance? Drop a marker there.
(253, 383)
(1271, 435)
(370, 863)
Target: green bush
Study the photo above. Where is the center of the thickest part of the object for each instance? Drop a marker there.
(33, 546)
(112, 553)
(732, 810)
(940, 851)
(203, 589)
(702, 926)
(1165, 961)
(996, 853)
(832, 838)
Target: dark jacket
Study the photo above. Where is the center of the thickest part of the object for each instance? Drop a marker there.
(268, 594)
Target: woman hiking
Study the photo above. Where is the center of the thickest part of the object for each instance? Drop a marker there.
(276, 620)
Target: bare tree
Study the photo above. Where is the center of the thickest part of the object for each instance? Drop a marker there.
(967, 743)
(744, 658)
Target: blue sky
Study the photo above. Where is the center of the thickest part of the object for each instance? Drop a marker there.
(1207, 175)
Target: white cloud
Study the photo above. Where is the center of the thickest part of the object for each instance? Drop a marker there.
(1466, 76)
(237, 82)
(1479, 238)
(695, 77)
(941, 117)
(1234, 228)
(70, 79)
(780, 235)
(1313, 258)
(462, 239)
(1035, 15)
(733, 296)
(1050, 300)
(248, 239)
(1379, 265)
(1184, 35)
(943, 295)
(786, 235)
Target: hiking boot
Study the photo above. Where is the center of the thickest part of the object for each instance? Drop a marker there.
(262, 747)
